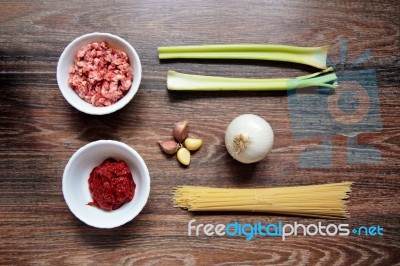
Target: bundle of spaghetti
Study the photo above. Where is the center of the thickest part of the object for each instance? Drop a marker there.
(323, 201)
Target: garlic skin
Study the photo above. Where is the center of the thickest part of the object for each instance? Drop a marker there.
(249, 138)
(181, 131)
(169, 146)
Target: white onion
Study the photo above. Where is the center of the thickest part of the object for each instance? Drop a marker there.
(249, 138)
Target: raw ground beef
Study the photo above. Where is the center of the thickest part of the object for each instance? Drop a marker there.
(101, 75)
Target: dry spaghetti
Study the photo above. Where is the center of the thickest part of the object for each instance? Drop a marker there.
(324, 201)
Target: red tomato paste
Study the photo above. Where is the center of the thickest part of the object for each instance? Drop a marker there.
(111, 185)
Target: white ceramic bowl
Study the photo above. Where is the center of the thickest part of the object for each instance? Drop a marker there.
(67, 60)
(75, 184)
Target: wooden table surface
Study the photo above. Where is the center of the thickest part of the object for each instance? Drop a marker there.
(316, 139)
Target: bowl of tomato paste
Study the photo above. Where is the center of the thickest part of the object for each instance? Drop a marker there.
(106, 184)
(99, 73)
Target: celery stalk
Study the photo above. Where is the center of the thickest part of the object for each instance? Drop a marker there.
(185, 82)
(313, 56)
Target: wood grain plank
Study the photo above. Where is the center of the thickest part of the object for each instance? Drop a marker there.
(39, 131)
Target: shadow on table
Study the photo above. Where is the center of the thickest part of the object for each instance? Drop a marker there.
(109, 126)
(106, 238)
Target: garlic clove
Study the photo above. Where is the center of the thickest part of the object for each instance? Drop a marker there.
(169, 146)
(183, 156)
(181, 131)
(193, 144)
